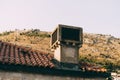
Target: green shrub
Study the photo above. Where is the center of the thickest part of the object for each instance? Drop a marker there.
(35, 33)
(6, 33)
(0, 34)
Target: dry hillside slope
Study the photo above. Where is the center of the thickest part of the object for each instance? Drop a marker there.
(97, 48)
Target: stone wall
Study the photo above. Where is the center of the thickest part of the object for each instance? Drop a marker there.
(29, 76)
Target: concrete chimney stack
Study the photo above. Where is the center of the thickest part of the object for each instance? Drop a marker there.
(65, 42)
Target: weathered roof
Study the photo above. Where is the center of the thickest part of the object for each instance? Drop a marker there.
(19, 55)
(19, 58)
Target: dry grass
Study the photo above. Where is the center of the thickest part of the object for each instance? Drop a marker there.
(97, 48)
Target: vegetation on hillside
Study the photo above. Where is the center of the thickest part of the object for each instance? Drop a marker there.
(6, 33)
(97, 48)
(101, 49)
(35, 33)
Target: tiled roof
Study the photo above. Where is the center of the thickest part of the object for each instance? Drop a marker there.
(19, 55)
(19, 58)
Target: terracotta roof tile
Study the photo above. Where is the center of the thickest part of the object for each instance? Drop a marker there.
(13, 54)
(17, 60)
(12, 57)
(19, 56)
(28, 60)
(7, 54)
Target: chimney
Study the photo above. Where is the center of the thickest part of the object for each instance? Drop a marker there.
(65, 42)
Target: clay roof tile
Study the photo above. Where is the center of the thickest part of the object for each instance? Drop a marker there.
(14, 54)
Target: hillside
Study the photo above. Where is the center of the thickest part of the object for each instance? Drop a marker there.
(101, 49)
(97, 48)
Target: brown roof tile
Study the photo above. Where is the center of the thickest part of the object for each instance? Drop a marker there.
(13, 54)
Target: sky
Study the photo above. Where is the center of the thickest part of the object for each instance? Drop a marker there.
(94, 16)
